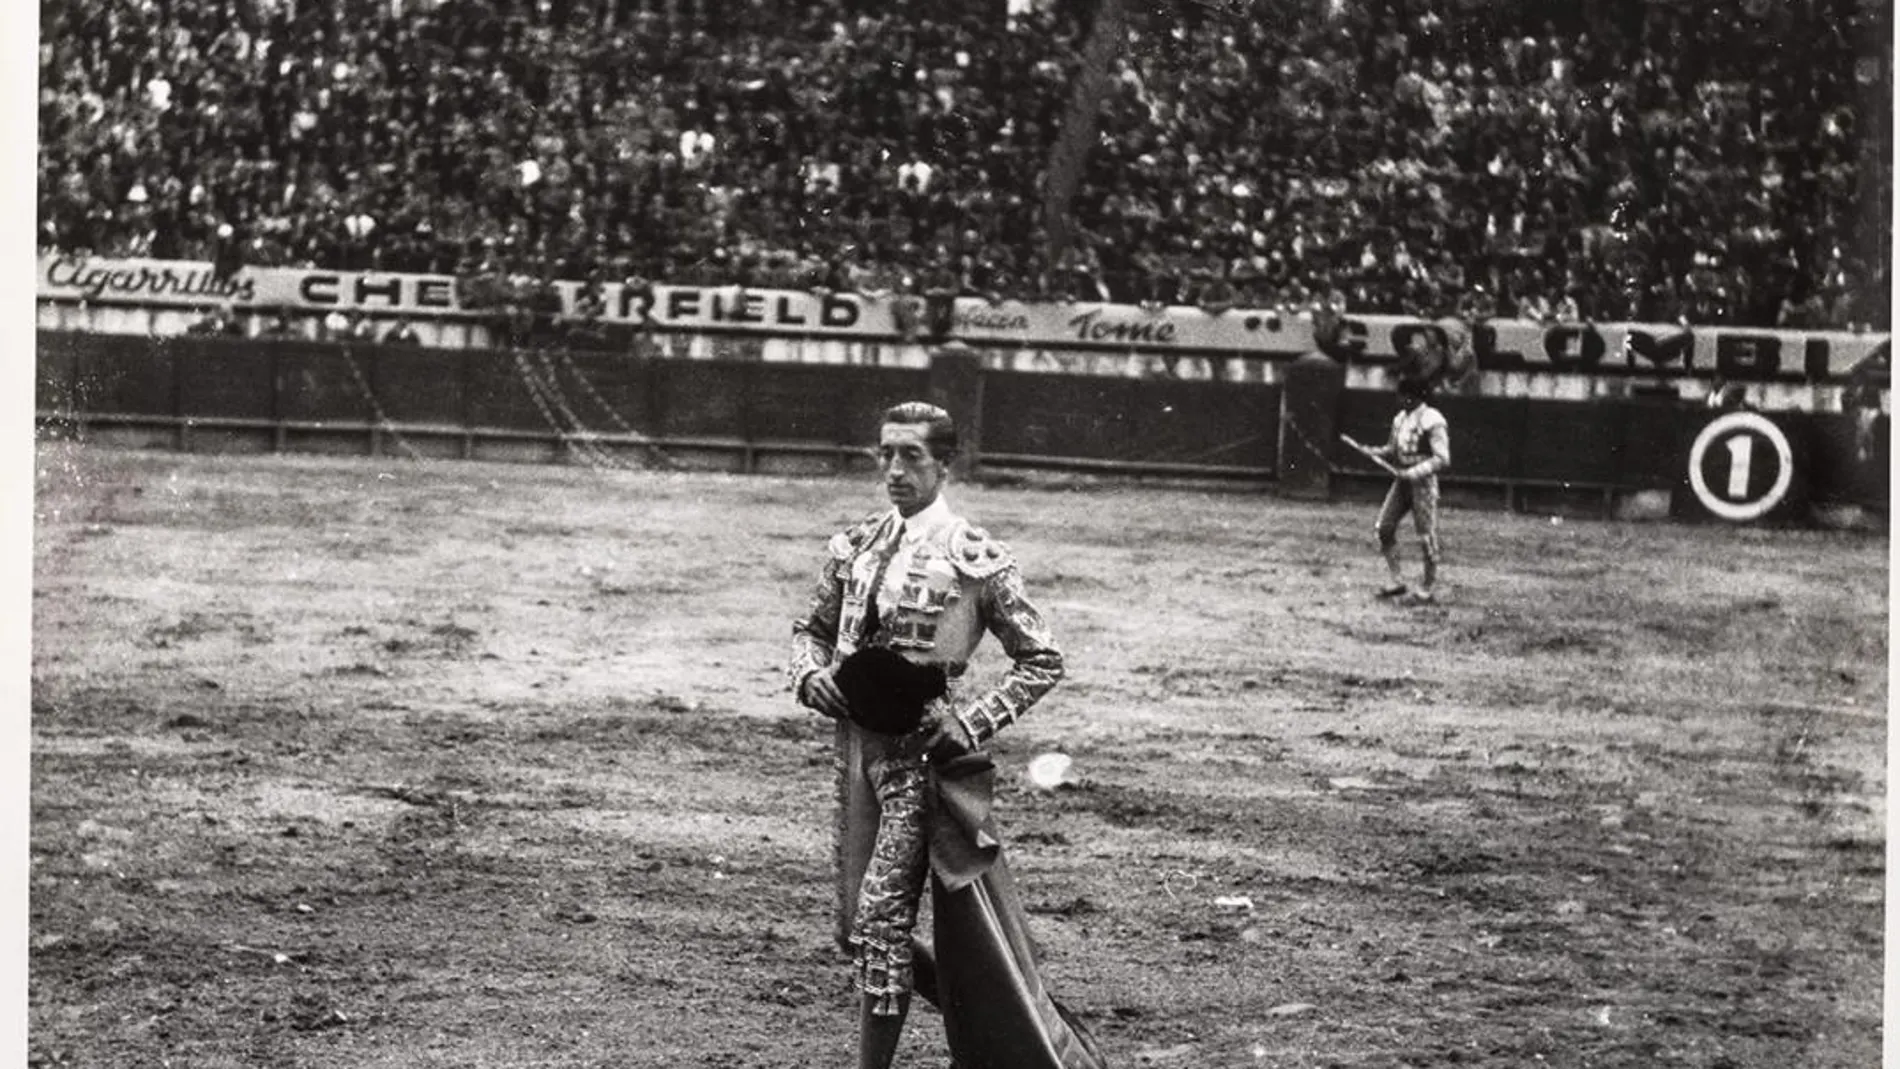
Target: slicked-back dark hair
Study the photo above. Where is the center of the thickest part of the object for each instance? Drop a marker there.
(940, 431)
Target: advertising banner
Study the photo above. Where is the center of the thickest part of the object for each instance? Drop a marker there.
(1122, 327)
(190, 284)
(1734, 353)
(1660, 350)
(194, 284)
(744, 309)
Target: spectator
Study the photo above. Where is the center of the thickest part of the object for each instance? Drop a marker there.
(359, 327)
(403, 333)
(1533, 306)
(280, 327)
(1214, 291)
(218, 321)
(585, 328)
(1567, 309)
(335, 324)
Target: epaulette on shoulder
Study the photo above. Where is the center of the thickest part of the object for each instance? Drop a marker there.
(974, 553)
(846, 543)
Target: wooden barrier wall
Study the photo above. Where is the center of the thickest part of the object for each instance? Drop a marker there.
(239, 394)
(236, 395)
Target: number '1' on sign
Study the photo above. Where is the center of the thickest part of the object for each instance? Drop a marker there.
(1741, 449)
(1760, 466)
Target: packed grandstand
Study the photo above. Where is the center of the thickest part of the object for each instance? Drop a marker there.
(1722, 162)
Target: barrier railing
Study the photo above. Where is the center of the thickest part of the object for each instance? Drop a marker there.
(612, 410)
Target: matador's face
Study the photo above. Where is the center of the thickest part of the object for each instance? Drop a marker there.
(913, 476)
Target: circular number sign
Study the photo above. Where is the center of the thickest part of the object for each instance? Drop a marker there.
(1741, 466)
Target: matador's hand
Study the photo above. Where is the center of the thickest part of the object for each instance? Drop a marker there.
(948, 740)
(821, 693)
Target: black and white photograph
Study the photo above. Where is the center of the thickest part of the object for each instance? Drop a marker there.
(980, 534)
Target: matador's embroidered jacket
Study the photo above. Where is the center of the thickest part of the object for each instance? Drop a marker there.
(928, 587)
(1420, 439)
(947, 583)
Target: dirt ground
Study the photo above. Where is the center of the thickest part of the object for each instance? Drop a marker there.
(352, 762)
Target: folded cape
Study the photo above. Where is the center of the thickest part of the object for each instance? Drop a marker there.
(997, 1011)
(963, 842)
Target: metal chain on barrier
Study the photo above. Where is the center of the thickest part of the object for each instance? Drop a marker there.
(551, 387)
(1306, 440)
(544, 397)
(613, 416)
(532, 383)
(383, 423)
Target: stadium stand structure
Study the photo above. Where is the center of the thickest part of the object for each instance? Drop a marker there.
(1721, 163)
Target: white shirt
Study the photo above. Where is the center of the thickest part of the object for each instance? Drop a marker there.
(913, 532)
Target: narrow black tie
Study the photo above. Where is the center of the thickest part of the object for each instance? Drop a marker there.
(885, 553)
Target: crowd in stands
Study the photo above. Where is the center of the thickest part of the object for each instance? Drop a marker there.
(1704, 161)
(285, 325)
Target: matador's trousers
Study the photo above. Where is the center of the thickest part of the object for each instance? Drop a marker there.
(883, 854)
(893, 812)
(1421, 500)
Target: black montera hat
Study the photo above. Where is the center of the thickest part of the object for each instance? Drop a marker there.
(885, 692)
